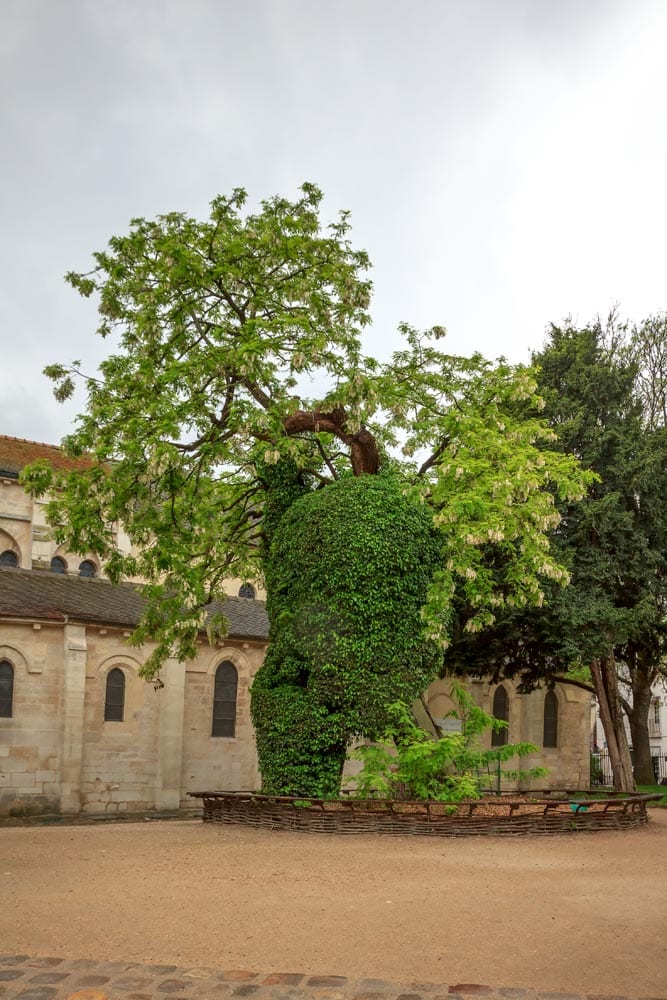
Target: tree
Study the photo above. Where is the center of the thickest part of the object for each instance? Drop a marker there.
(610, 620)
(204, 449)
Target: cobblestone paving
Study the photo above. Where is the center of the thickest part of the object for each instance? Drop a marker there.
(25, 977)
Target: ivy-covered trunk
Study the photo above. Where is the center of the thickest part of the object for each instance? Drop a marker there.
(347, 573)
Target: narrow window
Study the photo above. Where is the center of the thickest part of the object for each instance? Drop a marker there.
(246, 590)
(114, 701)
(58, 565)
(9, 558)
(6, 689)
(656, 711)
(501, 710)
(224, 700)
(550, 720)
(87, 568)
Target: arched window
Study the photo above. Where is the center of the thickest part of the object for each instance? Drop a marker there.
(6, 689)
(501, 710)
(550, 738)
(9, 558)
(114, 700)
(224, 700)
(58, 565)
(246, 590)
(87, 568)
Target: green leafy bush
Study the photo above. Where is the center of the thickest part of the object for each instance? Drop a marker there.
(409, 764)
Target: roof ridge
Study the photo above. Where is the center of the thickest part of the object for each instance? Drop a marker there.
(42, 444)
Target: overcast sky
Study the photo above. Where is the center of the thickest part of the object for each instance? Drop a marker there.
(504, 161)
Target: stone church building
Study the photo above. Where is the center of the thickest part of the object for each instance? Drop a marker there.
(80, 731)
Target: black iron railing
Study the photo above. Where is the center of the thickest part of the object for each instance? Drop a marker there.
(601, 772)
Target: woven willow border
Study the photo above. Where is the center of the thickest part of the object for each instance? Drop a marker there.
(512, 814)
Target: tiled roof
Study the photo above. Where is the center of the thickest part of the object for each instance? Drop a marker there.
(42, 595)
(15, 453)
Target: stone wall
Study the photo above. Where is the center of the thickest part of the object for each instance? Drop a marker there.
(58, 753)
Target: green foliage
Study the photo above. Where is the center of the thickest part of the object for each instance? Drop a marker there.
(410, 764)
(347, 577)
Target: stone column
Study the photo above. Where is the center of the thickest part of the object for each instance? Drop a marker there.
(170, 736)
(75, 651)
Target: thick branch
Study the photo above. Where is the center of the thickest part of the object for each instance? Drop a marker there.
(363, 446)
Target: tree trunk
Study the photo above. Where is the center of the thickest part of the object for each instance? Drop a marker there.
(638, 716)
(605, 682)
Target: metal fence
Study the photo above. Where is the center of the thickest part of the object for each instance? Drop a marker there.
(601, 772)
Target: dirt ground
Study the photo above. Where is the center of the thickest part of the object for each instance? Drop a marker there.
(583, 913)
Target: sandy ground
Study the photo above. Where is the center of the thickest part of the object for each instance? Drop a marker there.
(581, 913)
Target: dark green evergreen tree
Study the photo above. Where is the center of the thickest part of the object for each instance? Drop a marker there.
(610, 621)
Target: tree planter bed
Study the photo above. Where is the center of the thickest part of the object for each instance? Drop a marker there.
(514, 814)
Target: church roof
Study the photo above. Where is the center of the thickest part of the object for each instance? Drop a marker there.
(38, 594)
(15, 453)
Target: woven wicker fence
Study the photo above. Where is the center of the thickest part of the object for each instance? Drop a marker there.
(514, 815)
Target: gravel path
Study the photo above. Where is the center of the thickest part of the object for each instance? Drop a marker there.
(582, 914)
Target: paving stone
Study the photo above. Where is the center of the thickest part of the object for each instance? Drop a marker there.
(87, 995)
(316, 981)
(376, 985)
(92, 980)
(283, 979)
(12, 959)
(409, 996)
(369, 995)
(129, 983)
(7, 975)
(82, 964)
(469, 988)
(238, 975)
(173, 986)
(328, 994)
(44, 963)
(49, 978)
(38, 993)
(199, 973)
(287, 993)
(245, 989)
(513, 993)
(153, 970)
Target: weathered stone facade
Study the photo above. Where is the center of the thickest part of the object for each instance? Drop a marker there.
(58, 753)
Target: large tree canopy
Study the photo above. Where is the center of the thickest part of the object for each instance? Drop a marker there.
(240, 350)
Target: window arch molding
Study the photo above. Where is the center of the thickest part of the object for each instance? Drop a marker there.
(10, 558)
(500, 709)
(550, 720)
(58, 564)
(18, 661)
